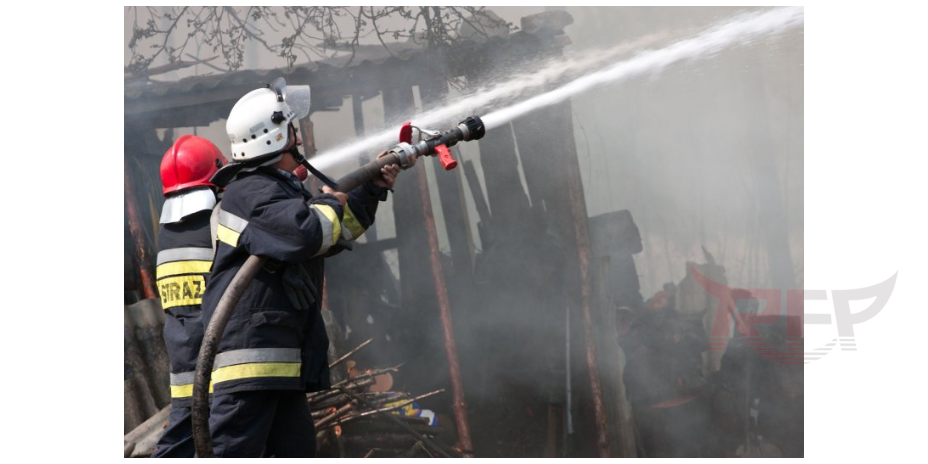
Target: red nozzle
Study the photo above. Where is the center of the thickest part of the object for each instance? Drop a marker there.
(444, 154)
(406, 133)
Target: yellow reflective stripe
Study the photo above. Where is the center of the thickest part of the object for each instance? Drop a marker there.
(182, 391)
(181, 290)
(331, 228)
(330, 214)
(351, 225)
(252, 370)
(185, 391)
(183, 267)
(227, 236)
(241, 371)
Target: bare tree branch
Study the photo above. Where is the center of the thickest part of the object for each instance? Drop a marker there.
(252, 35)
(307, 33)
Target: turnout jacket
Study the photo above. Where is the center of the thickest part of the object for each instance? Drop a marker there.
(269, 344)
(185, 254)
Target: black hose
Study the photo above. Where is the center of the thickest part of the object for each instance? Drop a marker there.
(365, 173)
(217, 325)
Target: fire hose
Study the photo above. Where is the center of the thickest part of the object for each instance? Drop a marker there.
(430, 143)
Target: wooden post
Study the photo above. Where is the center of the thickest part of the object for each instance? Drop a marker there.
(459, 404)
(450, 192)
(135, 227)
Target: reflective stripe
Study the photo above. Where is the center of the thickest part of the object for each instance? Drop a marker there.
(184, 254)
(181, 290)
(183, 378)
(351, 228)
(248, 371)
(214, 227)
(256, 362)
(184, 391)
(232, 221)
(182, 384)
(230, 228)
(227, 236)
(180, 206)
(331, 228)
(242, 364)
(182, 267)
(256, 355)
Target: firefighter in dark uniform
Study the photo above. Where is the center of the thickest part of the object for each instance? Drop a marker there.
(274, 347)
(185, 254)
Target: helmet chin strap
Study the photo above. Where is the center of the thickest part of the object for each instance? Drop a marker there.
(319, 175)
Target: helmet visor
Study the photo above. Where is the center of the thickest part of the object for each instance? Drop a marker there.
(297, 98)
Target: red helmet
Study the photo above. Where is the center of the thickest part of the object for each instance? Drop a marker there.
(190, 162)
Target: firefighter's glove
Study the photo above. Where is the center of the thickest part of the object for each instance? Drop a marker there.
(299, 287)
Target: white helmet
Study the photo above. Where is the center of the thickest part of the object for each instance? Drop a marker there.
(259, 121)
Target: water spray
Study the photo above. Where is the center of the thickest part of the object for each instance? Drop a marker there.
(738, 30)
